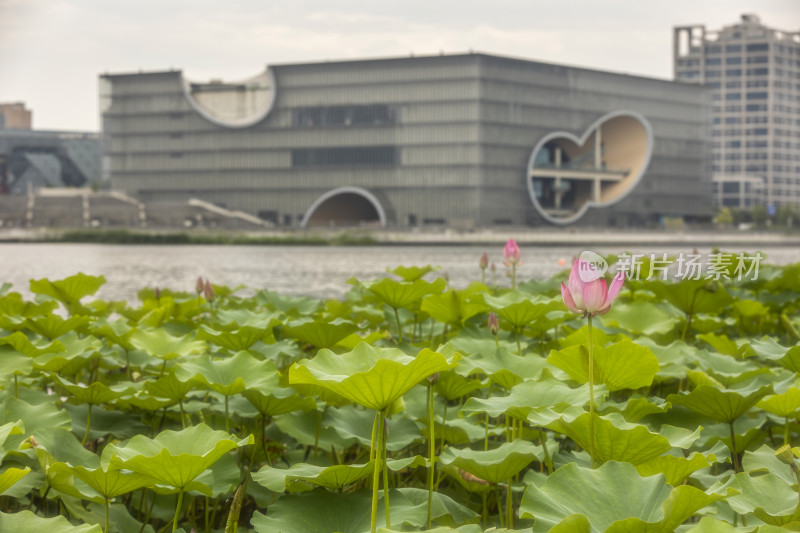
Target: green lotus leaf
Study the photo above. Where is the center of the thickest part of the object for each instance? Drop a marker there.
(412, 273)
(369, 376)
(786, 404)
(640, 318)
(401, 294)
(20, 343)
(722, 344)
(292, 306)
(53, 326)
(108, 482)
(692, 296)
(675, 468)
(352, 423)
(95, 393)
(301, 477)
(270, 399)
(6, 430)
(69, 291)
(767, 496)
(77, 351)
(11, 476)
(631, 503)
(522, 312)
(14, 363)
(235, 340)
(170, 387)
(454, 307)
(452, 385)
(115, 332)
(175, 458)
(497, 465)
(34, 417)
(636, 408)
(618, 440)
(624, 365)
(474, 341)
(726, 370)
(27, 521)
(319, 333)
(303, 427)
(531, 395)
(228, 376)
(320, 511)
(763, 460)
(502, 367)
(722, 405)
(159, 343)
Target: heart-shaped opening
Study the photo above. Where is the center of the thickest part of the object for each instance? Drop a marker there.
(567, 174)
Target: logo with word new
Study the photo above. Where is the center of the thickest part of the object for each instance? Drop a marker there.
(592, 267)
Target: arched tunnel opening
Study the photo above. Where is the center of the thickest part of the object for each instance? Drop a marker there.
(345, 209)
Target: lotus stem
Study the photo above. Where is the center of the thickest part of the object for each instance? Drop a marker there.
(376, 471)
(106, 529)
(548, 461)
(384, 430)
(500, 513)
(399, 327)
(88, 424)
(486, 434)
(786, 431)
(374, 436)
(431, 452)
(513, 276)
(734, 454)
(519, 345)
(591, 393)
(509, 506)
(16, 389)
(177, 510)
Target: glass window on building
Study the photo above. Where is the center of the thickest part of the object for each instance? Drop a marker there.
(758, 47)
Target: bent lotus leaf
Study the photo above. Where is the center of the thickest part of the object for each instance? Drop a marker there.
(497, 465)
(763, 460)
(692, 296)
(722, 405)
(502, 367)
(532, 395)
(108, 482)
(369, 376)
(53, 326)
(785, 404)
(675, 468)
(767, 496)
(640, 318)
(270, 399)
(69, 291)
(624, 365)
(454, 307)
(159, 343)
(175, 458)
(568, 501)
(234, 340)
(320, 511)
(228, 376)
(11, 476)
(618, 440)
(319, 333)
(96, 393)
(412, 273)
(518, 310)
(400, 294)
(301, 477)
(27, 521)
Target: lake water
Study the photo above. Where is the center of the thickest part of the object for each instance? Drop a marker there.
(320, 271)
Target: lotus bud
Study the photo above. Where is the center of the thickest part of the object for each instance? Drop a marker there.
(199, 285)
(433, 378)
(208, 291)
(785, 455)
(157, 293)
(483, 263)
(512, 253)
(493, 268)
(494, 323)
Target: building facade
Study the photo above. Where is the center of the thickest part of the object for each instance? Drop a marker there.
(754, 72)
(15, 116)
(468, 140)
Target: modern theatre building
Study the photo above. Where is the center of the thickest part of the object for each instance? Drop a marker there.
(468, 140)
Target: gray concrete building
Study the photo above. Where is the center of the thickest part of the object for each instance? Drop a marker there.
(754, 73)
(469, 140)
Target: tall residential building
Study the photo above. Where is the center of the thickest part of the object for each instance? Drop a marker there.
(452, 140)
(754, 72)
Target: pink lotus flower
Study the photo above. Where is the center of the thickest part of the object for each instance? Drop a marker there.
(592, 297)
(512, 254)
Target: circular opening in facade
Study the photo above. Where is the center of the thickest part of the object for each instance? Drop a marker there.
(233, 104)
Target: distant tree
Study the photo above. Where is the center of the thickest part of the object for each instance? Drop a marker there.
(788, 215)
(759, 215)
(739, 216)
(724, 217)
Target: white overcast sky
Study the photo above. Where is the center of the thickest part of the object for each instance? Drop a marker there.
(52, 51)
